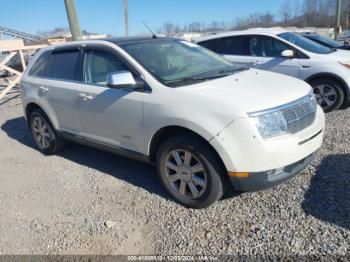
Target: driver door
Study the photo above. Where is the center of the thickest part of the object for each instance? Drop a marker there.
(110, 116)
(267, 51)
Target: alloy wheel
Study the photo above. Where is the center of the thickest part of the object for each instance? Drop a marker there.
(326, 95)
(41, 133)
(185, 173)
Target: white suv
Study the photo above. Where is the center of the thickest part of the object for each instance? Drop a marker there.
(325, 69)
(206, 123)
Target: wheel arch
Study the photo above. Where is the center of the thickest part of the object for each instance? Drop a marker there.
(344, 86)
(30, 107)
(169, 131)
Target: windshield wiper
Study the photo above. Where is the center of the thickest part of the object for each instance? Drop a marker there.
(182, 80)
(221, 73)
(196, 79)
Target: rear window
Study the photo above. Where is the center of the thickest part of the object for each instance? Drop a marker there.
(62, 65)
(40, 65)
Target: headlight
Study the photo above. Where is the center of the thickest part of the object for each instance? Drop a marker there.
(286, 119)
(346, 64)
(271, 124)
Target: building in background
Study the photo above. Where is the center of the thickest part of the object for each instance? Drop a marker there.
(65, 36)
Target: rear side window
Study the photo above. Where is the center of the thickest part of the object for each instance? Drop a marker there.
(63, 64)
(238, 45)
(40, 66)
(211, 44)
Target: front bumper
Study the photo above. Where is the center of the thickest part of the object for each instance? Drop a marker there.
(263, 180)
(242, 149)
(250, 159)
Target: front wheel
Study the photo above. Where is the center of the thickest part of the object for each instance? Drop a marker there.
(329, 94)
(190, 171)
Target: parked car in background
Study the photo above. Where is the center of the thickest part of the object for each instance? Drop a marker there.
(344, 37)
(325, 41)
(325, 69)
(207, 124)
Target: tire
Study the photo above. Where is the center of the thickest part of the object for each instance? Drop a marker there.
(329, 94)
(41, 127)
(199, 167)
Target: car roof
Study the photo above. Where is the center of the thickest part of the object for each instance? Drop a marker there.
(114, 40)
(135, 39)
(253, 31)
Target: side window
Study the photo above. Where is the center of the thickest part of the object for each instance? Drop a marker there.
(238, 45)
(267, 46)
(211, 44)
(40, 66)
(63, 64)
(98, 64)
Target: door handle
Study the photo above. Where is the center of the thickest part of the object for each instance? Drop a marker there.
(44, 89)
(257, 63)
(86, 97)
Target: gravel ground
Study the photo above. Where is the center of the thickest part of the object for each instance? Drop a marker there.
(84, 201)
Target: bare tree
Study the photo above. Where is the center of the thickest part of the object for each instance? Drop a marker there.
(266, 19)
(310, 11)
(168, 27)
(214, 26)
(194, 27)
(318, 13)
(286, 12)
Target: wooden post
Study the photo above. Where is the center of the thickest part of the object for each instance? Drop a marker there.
(22, 60)
(14, 50)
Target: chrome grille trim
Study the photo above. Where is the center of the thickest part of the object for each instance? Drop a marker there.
(299, 114)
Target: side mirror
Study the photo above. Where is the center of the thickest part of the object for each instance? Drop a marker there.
(122, 79)
(288, 54)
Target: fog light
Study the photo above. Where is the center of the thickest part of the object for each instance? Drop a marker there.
(271, 172)
(275, 172)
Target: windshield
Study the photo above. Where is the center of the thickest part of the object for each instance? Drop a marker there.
(305, 43)
(325, 40)
(176, 62)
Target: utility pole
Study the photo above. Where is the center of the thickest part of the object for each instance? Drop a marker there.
(73, 19)
(338, 20)
(126, 16)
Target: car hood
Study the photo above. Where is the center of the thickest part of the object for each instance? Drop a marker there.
(251, 90)
(338, 56)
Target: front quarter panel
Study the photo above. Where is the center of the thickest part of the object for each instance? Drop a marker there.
(166, 107)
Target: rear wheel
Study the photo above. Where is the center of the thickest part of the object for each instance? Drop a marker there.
(190, 171)
(329, 94)
(44, 134)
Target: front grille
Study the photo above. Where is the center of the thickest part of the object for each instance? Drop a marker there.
(301, 115)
